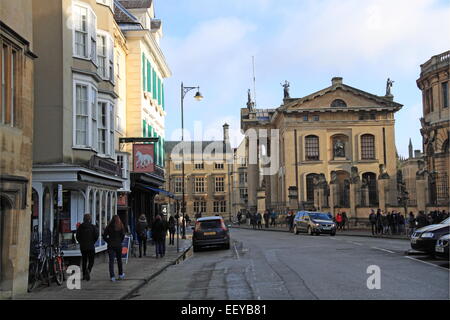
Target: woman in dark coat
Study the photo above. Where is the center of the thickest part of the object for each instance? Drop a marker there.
(87, 235)
(114, 235)
(159, 231)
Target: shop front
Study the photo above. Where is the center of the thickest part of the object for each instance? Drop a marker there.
(83, 191)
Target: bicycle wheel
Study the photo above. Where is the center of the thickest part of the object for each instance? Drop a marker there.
(32, 275)
(58, 270)
(45, 273)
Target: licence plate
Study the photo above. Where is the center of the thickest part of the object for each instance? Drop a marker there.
(440, 249)
(326, 228)
(210, 233)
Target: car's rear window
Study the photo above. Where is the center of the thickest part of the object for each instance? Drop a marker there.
(210, 224)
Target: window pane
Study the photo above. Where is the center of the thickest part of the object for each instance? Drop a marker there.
(368, 147)
(312, 148)
(3, 66)
(13, 87)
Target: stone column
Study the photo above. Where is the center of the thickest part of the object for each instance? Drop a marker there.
(253, 182)
(273, 190)
(261, 205)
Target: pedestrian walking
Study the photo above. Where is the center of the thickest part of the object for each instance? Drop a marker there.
(379, 222)
(411, 223)
(158, 231)
(401, 224)
(385, 222)
(114, 235)
(141, 231)
(339, 220)
(344, 220)
(87, 234)
(239, 217)
(259, 220)
(266, 218)
(172, 229)
(253, 220)
(290, 220)
(273, 218)
(373, 221)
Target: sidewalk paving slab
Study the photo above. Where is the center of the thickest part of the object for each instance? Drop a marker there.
(138, 272)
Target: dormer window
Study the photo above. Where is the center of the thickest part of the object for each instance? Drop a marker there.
(338, 103)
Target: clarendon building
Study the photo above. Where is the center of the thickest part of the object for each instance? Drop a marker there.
(333, 150)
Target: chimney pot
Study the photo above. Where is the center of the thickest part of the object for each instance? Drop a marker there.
(336, 80)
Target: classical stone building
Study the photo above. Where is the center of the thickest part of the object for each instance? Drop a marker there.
(335, 150)
(434, 82)
(207, 184)
(239, 180)
(16, 138)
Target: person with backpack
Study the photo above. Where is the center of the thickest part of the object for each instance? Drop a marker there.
(87, 234)
(172, 229)
(114, 235)
(141, 230)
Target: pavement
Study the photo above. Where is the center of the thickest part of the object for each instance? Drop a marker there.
(138, 272)
(351, 232)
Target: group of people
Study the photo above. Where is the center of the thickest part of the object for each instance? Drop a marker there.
(114, 234)
(256, 219)
(395, 223)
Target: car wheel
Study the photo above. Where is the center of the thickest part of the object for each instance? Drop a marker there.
(295, 230)
(196, 248)
(227, 246)
(333, 234)
(310, 232)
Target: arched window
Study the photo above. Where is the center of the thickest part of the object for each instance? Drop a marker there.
(310, 187)
(312, 148)
(367, 147)
(338, 103)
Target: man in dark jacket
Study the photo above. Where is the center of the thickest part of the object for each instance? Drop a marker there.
(373, 221)
(159, 232)
(87, 235)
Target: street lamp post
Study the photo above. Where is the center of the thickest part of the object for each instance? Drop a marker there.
(199, 97)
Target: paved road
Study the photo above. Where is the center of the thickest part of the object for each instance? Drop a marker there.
(276, 265)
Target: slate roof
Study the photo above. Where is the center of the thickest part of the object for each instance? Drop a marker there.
(122, 15)
(136, 4)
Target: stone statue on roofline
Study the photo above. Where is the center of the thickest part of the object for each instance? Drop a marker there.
(250, 103)
(286, 87)
(389, 85)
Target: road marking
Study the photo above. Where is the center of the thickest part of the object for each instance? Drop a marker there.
(235, 250)
(386, 250)
(357, 243)
(428, 263)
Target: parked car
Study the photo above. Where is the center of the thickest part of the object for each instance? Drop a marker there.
(424, 239)
(314, 223)
(441, 249)
(210, 231)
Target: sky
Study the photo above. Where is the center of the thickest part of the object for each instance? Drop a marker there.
(210, 43)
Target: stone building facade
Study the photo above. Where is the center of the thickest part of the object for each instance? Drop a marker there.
(207, 183)
(16, 138)
(434, 82)
(331, 150)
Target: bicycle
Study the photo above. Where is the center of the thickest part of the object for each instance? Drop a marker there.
(38, 270)
(57, 264)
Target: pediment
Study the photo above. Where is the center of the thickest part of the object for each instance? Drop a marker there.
(340, 97)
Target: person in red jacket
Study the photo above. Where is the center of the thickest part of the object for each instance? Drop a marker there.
(339, 221)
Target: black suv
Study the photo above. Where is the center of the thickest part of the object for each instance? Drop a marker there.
(210, 231)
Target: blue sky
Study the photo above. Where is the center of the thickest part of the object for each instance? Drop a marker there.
(210, 43)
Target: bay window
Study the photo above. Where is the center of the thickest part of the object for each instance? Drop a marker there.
(84, 32)
(81, 115)
(105, 56)
(102, 127)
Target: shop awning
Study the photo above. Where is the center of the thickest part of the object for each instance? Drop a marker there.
(164, 192)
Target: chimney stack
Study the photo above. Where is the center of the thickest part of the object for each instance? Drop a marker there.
(226, 134)
(336, 81)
